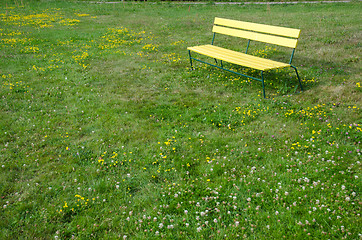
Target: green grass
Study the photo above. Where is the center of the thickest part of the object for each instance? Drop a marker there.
(105, 132)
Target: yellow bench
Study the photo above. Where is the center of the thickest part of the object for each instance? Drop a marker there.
(286, 37)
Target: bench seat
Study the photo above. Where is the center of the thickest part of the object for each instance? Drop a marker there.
(238, 58)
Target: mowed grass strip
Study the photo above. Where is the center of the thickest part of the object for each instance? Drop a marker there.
(105, 132)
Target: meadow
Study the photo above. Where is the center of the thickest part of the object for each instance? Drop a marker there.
(106, 132)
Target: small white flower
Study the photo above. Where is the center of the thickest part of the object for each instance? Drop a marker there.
(347, 199)
(185, 211)
(215, 220)
(160, 225)
(276, 212)
(198, 229)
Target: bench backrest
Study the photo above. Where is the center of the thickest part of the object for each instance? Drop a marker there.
(282, 36)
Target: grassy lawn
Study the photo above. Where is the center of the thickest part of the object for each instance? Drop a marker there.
(105, 132)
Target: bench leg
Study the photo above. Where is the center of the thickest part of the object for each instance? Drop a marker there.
(262, 82)
(192, 68)
(220, 62)
(296, 71)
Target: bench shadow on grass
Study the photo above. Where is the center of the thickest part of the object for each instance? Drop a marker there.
(312, 71)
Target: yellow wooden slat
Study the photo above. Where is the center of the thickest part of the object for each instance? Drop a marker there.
(260, 37)
(204, 50)
(247, 60)
(237, 57)
(275, 30)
